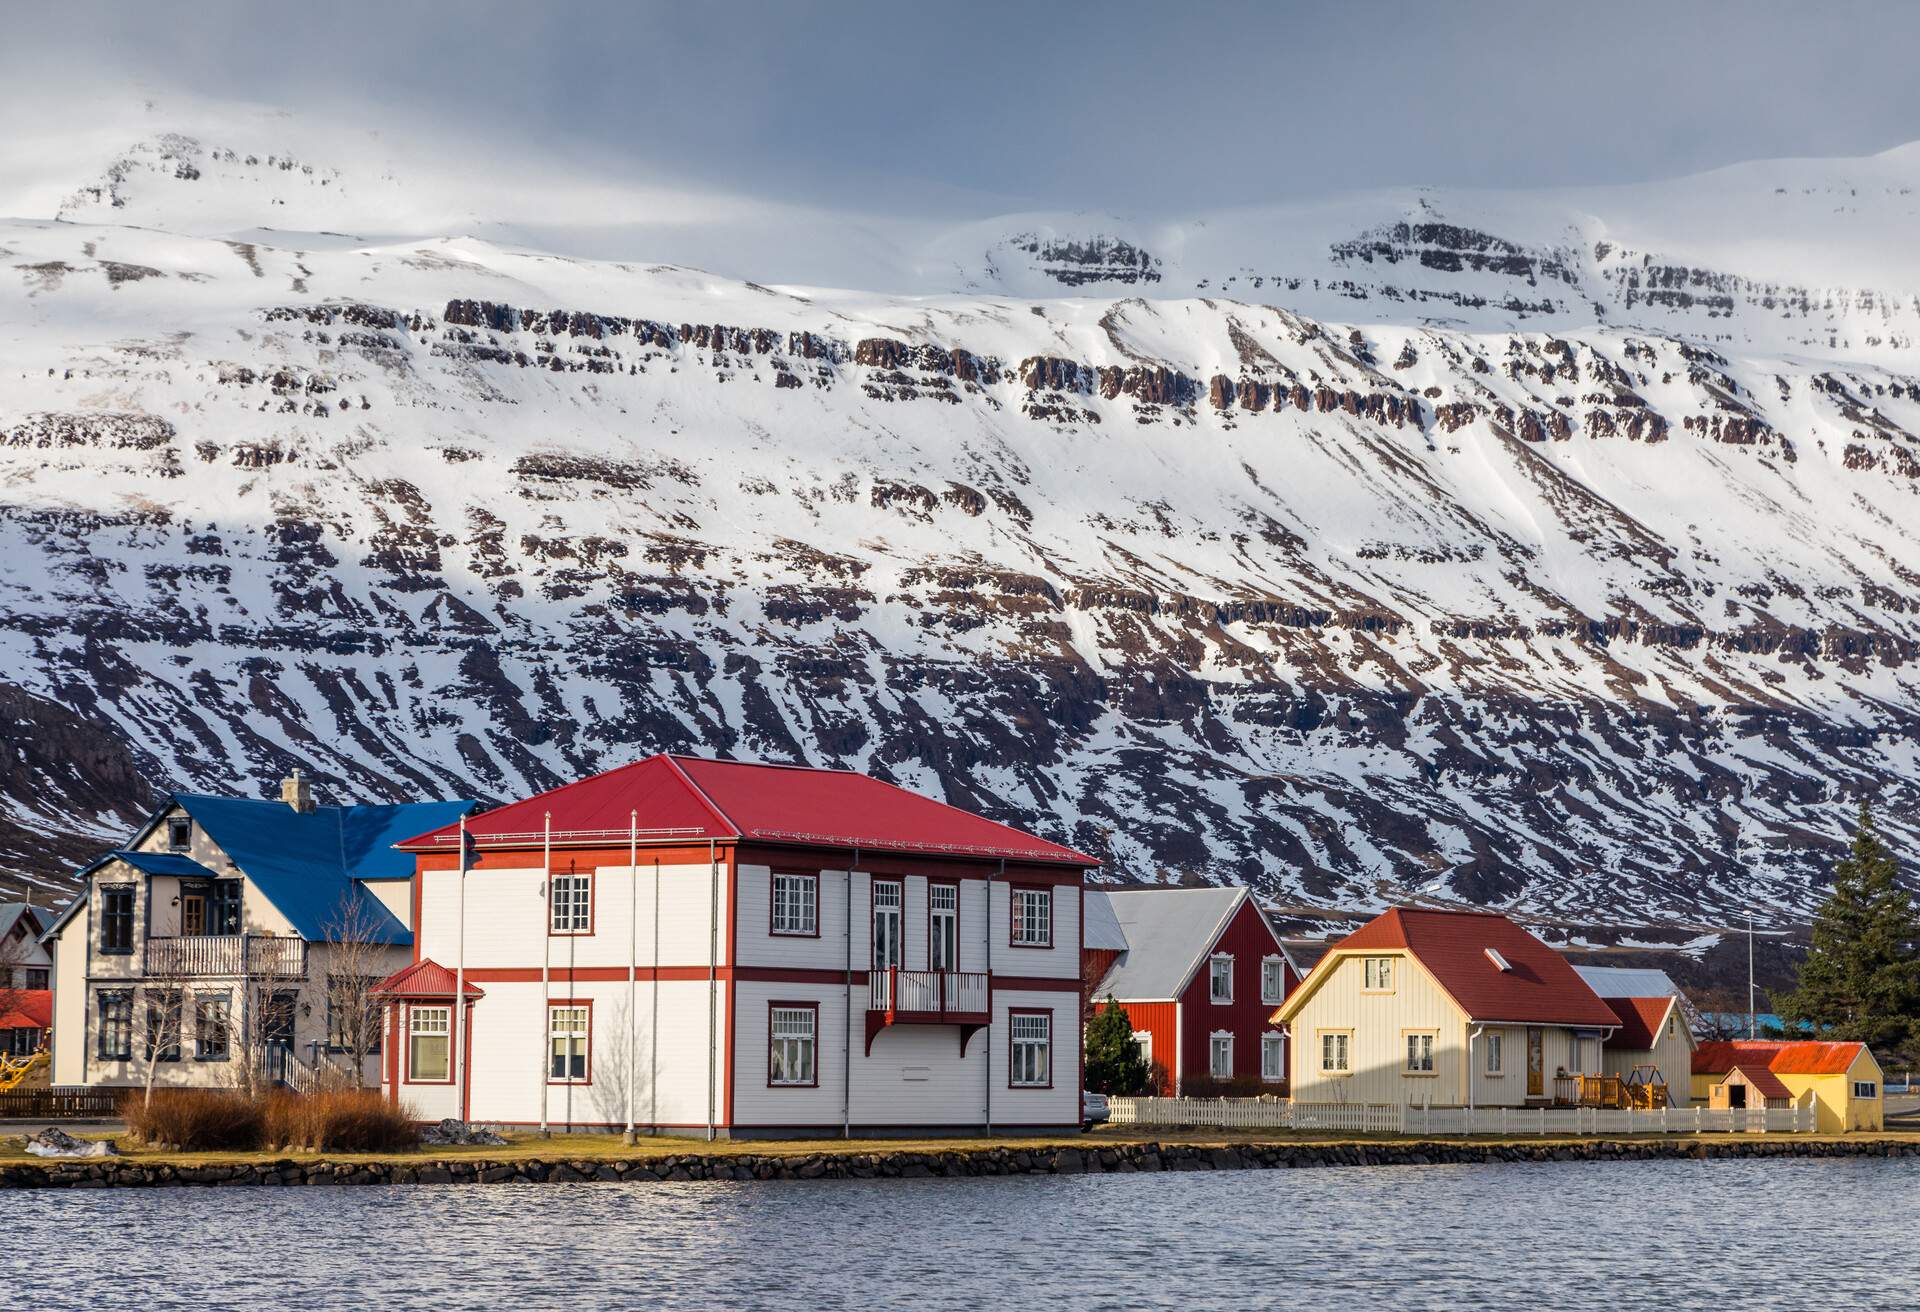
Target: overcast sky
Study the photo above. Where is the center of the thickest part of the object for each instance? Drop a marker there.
(978, 105)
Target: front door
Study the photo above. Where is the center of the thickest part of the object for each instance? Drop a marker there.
(276, 1030)
(1536, 1062)
(193, 913)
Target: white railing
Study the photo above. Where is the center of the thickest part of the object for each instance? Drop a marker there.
(264, 956)
(934, 992)
(1256, 1113)
(1391, 1118)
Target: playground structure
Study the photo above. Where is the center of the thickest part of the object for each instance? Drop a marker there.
(15, 1070)
(1642, 1089)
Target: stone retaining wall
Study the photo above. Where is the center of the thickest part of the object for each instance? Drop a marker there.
(1082, 1160)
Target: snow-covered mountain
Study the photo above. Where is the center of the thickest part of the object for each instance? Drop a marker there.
(1558, 551)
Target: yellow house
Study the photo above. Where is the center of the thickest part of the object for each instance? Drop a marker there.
(1443, 1008)
(1842, 1081)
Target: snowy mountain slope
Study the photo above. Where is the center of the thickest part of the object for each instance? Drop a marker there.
(1469, 560)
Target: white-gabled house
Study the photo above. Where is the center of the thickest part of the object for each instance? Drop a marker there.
(685, 945)
(241, 906)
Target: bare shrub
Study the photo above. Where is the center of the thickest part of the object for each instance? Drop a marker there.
(338, 1120)
(195, 1120)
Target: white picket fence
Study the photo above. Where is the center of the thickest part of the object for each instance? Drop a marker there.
(1390, 1118)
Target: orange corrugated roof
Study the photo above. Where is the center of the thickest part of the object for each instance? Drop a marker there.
(1540, 988)
(1781, 1056)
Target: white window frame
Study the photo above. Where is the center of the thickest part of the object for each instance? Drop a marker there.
(1217, 1042)
(1376, 975)
(1215, 976)
(1420, 1052)
(793, 1046)
(1336, 1052)
(1030, 1050)
(570, 904)
(1273, 980)
(943, 926)
(432, 1021)
(569, 1024)
(1872, 1088)
(1031, 912)
(1496, 1053)
(1143, 1043)
(1273, 1056)
(796, 904)
(890, 907)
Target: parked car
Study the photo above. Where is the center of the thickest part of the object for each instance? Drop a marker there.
(1093, 1107)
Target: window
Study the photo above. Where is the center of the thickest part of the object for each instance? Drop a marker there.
(1419, 1054)
(1030, 1034)
(568, 1026)
(212, 1039)
(887, 951)
(1866, 1090)
(792, 1031)
(1143, 1042)
(116, 1026)
(1670, 1024)
(116, 919)
(1500, 963)
(1496, 1058)
(1335, 1052)
(1220, 979)
(796, 904)
(1273, 979)
(1220, 1056)
(1032, 918)
(223, 907)
(943, 926)
(1273, 1057)
(179, 834)
(429, 1030)
(571, 910)
(1379, 975)
(160, 1039)
(37, 977)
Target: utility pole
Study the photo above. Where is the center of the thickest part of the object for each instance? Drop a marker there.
(1750, 1009)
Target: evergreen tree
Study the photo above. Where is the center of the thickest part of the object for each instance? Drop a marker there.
(1114, 1064)
(1862, 978)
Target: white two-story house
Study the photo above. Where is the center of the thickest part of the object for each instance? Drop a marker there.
(206, 941)
(710, 947)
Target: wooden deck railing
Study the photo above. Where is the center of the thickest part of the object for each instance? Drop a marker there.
(55, 1104)
(263, 956)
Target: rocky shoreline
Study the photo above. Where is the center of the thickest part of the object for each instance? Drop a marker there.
(1117, 1158)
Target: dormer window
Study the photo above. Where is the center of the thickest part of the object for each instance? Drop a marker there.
(1500, 963)
(179, 834)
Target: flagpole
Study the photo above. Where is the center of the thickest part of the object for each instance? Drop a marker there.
(633, 961)
(456, 1015)
(546, 970)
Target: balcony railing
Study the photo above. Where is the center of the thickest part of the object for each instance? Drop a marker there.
(928, 997)
(261, 956)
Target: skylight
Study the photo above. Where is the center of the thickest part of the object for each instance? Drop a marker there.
(1500, 962)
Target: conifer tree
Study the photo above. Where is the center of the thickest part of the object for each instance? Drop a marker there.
(1114, 1064)
(1861, 980)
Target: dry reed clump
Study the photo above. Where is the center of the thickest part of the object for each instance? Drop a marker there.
(332, 1120)
(194, 1120)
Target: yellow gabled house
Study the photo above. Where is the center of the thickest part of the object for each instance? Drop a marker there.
(1841, 1081)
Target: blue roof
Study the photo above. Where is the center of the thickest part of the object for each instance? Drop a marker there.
(306, 864)
(160, 863)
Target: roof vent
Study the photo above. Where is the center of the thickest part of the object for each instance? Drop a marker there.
(1499, 962)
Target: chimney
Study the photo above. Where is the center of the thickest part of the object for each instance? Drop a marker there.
(297, 793)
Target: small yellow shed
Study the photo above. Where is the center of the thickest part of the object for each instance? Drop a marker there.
(1841, 1080)
(1746, 1088)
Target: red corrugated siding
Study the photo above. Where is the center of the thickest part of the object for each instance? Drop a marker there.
(1162, 1020)
(1248, 939)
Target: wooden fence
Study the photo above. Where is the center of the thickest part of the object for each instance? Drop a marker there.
(54, 1104)
(1389, 1118)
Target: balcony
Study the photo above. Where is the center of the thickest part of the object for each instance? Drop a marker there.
(929, 997)
(259, 956)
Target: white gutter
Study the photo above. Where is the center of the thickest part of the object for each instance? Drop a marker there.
(633, 962)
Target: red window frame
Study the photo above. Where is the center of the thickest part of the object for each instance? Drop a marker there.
(593, 902)
(775, 875)
(1013, 918)
(547, 1039)
(813, 1007)
(1052, 1034)
(953, 884)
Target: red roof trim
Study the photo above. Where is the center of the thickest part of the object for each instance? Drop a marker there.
(425, 978)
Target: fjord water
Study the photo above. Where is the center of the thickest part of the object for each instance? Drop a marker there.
(1745, 1234)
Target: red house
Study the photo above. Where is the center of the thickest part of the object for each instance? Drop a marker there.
(1198, 971)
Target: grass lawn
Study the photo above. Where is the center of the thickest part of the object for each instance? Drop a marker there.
(592, 1147)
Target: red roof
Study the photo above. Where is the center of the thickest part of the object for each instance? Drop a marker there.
(1640, 1020)
(692, 799)
(1538, 988)
(425, 979)
(27, 1009)
(1781, 1056)
(1764, 1082)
